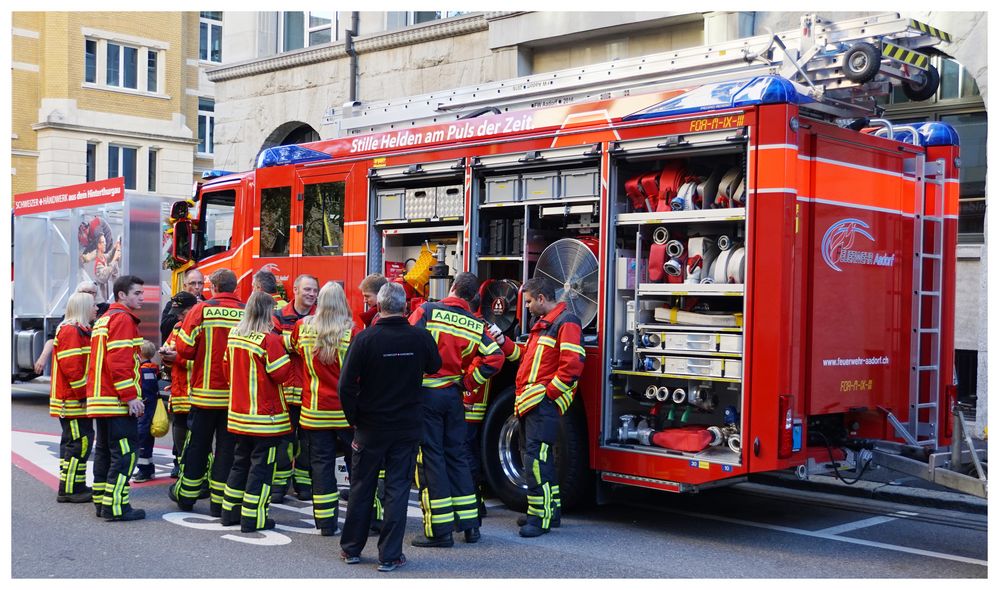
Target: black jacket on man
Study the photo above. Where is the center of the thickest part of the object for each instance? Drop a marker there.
(380, 382)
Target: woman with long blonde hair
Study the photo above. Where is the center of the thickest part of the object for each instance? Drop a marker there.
(257, 364)
(68, 394)
(322, 341)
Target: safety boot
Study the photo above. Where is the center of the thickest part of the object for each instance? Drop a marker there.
(127, 515)
(473, 535)
(182, 504)
(556, 521)
(249, 525)
(215, 509)
(445, 540)
(329, 531)
(231, 517)
(303, 492)
(530, 530)
(84, 495)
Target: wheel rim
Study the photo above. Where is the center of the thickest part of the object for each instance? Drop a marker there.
(858, 62)
(509, 452)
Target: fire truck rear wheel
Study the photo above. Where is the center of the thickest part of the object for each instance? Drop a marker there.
(504, 469)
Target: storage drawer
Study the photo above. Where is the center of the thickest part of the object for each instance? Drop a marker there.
(390, 204)
(451, 201)
(502, 189)
(703, 367)
(733, 369)
(702, 342)
(540, 187)
(580, 183)
(421, 203)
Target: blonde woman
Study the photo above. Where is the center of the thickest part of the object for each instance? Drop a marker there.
(68, 396)
(322, 340)
(257, 365)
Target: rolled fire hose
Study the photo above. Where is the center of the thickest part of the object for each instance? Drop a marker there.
(660, 235)
(662, 394)
(679, 395)
(657, 258)
(670, 180)
(708, 189)
(649, 184)
(650, 392)
(736, 269)
(694, 265)
(685, 199)
(732, 188)
(633, 190)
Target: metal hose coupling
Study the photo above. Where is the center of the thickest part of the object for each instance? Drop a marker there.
(650, 392)
(679, 395)
(674, 248)
(662, 394)
(717, 438)
(735, 442)
(651, 340)
(660, 235)
(724, 242)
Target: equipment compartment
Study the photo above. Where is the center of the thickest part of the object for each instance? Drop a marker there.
(451, 201)
(421, 203)
(540, 186)
(502, 189)
(390, 204)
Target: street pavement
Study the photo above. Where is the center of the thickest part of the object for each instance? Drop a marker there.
(748, 530)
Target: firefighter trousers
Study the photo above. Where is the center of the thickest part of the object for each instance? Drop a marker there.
(447, 494)
(539, 428)
(74, 448)
(248, 487)
(294, 457)
(146, 438)
(373, 451)
(205, 425)
(114, 460)
(325, 494)
(179, 432)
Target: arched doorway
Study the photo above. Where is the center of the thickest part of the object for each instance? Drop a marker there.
(290, 133)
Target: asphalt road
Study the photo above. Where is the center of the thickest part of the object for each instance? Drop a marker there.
(744, 531)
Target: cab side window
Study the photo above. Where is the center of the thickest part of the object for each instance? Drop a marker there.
(323, 231)
(275, 221)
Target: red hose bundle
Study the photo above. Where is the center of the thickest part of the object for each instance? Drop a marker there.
(688, 439)
(657, 258)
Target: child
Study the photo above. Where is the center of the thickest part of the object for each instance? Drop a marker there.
(257, 365)
(149, 379)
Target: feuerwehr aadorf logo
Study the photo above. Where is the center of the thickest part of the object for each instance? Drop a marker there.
(838, 246)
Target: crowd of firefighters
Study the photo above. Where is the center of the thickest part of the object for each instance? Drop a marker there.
(264, 393)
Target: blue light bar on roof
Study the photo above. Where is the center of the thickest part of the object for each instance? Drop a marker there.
(725, 95)
(289, 154)
(936, 133)
(214, 173)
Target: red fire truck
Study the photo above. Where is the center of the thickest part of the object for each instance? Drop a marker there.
(764, 269)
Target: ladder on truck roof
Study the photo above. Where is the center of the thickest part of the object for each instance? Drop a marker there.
(841, 66)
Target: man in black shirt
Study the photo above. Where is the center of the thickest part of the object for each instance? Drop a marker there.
(380, 391)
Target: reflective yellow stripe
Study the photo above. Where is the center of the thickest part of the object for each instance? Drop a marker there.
(560, 386)
(72, 352)
(572, 347)
(546, 341)
(284, 360)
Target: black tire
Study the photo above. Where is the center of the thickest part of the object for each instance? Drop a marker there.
(502, 464)
(918, 92)
(861, 63)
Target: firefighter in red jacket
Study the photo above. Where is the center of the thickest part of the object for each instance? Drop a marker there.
(258, 418)
(293, 455)
(114, 398)
(546, 384)
(470, 357)
(202, 339)
(476, 401)
(321, 341)
(68, 397)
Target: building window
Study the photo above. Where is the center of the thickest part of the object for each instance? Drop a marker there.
(211, 37)
(206, 126)
(151, 177)
(275, 221)
(323, 214)
(90, 61)
(121, 162)
(122, 66)
(151, 70)
(91, 162)
(302, 29)
(398, 20)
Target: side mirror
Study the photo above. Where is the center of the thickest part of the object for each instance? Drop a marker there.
(180, 210)
(182, 240)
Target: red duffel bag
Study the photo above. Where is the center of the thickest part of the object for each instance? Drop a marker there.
(689, 439)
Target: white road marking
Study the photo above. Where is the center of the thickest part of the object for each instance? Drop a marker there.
(860, 524)
(822, 535)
